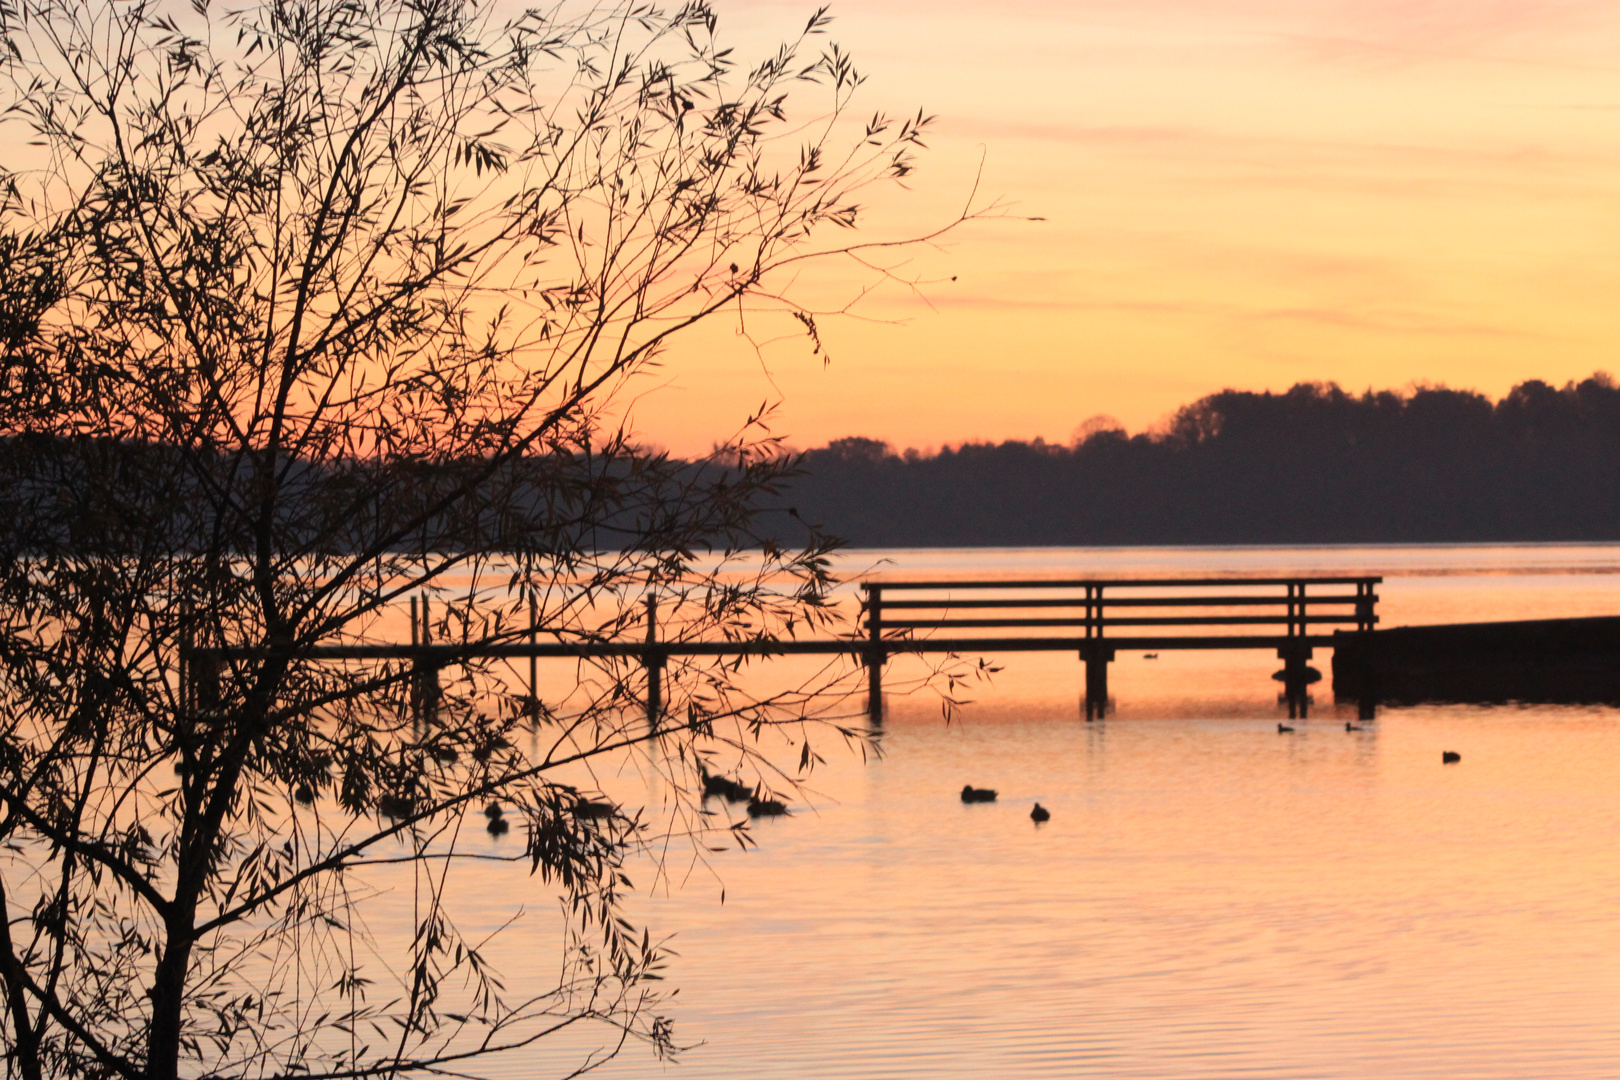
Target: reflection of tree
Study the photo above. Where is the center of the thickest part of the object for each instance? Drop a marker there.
(309, 310)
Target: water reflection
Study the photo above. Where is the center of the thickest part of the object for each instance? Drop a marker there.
(1210, 897)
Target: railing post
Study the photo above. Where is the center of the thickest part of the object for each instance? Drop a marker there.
(425, 673)
(532, 706)
(874, 654)
(653, 660)
(1096, 655)
(1366, 691)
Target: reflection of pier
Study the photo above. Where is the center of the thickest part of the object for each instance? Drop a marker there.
(1085, 617)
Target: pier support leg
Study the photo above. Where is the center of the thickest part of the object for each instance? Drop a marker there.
(655, 689)
(1296, 679)
(203, 671)
(1366, 679)
(424, 694)
(874, 689)
(1096, 658)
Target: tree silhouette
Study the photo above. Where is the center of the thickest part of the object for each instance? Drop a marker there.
(312, 313)
(1313, 464)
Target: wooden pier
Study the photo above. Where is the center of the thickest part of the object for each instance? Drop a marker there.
(1093, 618)
(1096, 618)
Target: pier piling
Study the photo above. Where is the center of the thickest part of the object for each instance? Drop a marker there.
(874, 655)
(653, 660)
(1097, 657)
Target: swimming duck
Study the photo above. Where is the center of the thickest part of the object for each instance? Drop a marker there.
(766, 808)
(726, 788)
(1283, 729)
(396, 806)
(1040, 814)
(1348, 726)
(1449, 757)
(977, 794)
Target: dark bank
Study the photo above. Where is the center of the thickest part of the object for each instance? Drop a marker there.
(1313, 465)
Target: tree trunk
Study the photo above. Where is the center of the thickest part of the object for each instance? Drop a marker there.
(25, 1040)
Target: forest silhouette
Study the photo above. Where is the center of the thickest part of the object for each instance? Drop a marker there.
(1312, 465)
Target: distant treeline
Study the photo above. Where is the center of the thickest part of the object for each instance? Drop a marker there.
(1313, 465)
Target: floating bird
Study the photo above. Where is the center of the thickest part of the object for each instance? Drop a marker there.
(304, 794)
(396, 806)
(587, 809)
(1449, 757)
(1150, 656)
(497, 826)
(977, 794)
(1283, 729)
(726, 788)
(1348, 726)
(766, 808)
(492, 811)
(1040, 814)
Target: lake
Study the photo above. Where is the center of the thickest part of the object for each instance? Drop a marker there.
(1210, 898)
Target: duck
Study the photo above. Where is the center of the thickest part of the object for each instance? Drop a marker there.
(766, 808)
(1283, 729)
(1449, 757)
(1348, 726)
(396, 806)
(726, 788)
(1150, 656)
(977, 794)
(1040, 814)
(497, 826)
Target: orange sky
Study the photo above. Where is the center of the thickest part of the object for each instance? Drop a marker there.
(1242, 193)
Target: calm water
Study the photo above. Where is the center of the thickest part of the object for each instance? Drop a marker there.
(1210, 898)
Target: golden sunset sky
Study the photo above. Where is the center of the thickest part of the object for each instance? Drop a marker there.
(1236, 193)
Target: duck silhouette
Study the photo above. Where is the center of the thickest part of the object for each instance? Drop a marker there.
(1040, 814)
(1348, 726)
(726, 788)
(1449, 757)
(977, 794)
(1283, 729)
(766, 808)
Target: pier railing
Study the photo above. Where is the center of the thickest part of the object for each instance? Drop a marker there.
(1093, 607)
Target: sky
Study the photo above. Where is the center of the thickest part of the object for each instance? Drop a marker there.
(1234, 193)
